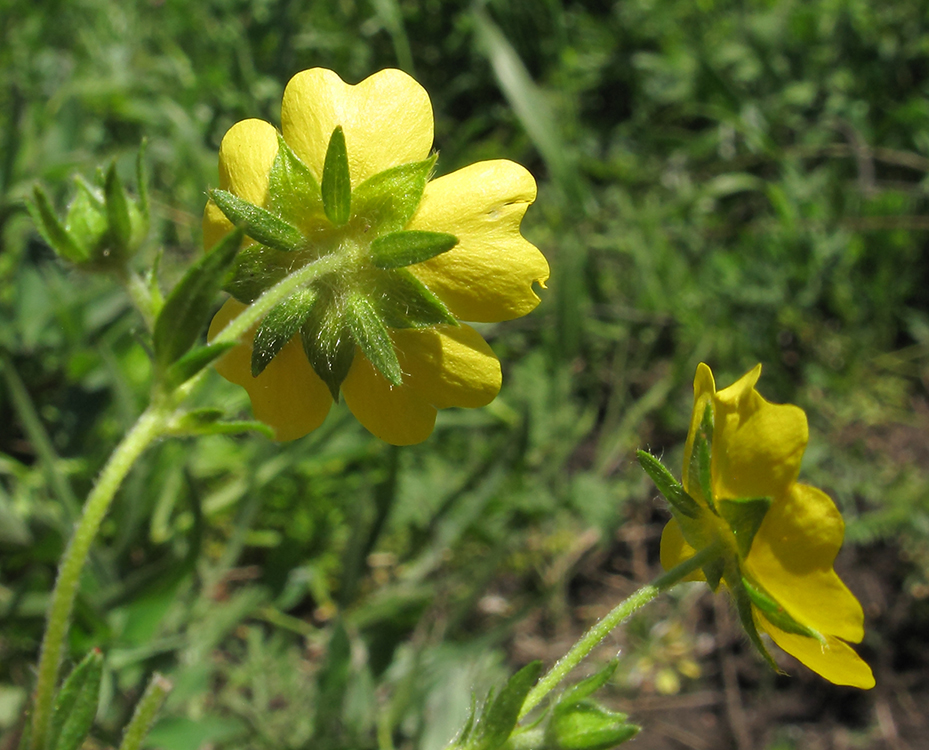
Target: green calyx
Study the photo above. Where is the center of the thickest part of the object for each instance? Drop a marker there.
(363, 229)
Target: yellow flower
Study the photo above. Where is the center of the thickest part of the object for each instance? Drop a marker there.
(756, 449)
(488, 276)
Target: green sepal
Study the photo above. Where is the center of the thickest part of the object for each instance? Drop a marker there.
(404, 248)
(336, 187)
(254, 270)
(141, 178)
(386, 202)
(585, 688)
(117, 212)
(462, 738)
(280, 326)
(293, 190)
(403, 301)
(259, 224)
(744, 516)
(188, 306)
(587, 726)
(52, 230)
(209, 421)
(368, 329)
(713, 572)
(328, 343)
(500, 713)
(76, 704)
(153, 282)
(699, 466)
(194, 361)
(776, 614)
(87, 221)
(743, 605)
(667, 485)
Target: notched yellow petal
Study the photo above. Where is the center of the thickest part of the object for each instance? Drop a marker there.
(489, 276)
(387, 120)
(288, 395)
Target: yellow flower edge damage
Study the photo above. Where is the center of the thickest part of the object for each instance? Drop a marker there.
(757, 448)
(488, 276)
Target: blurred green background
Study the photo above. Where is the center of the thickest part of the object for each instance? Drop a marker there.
(719, 181)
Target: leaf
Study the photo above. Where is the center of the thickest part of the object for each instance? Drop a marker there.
(386, 202)
(403, 301)
(51, 229)
(76, 704)
(667, 485)
(257, 223)
(399, 249)
(293, 190)
(744, 516)
(336, 186)
(209, 421)
(194, 361)
(188, 306)
(499, 718)
(368, 329)
(279, 326)
(328, 343)
(117, 211)
(586, 688)
(588, 726)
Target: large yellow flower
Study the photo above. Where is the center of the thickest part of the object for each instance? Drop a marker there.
(487, 276)
(755, 452)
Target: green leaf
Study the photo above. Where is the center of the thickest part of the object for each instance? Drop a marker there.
(667, 485)
(189, 304)
(294, 192)
(254, 270)
(87, 220)
(209, 421)
(259, 224)
(279, 326)
(328, 343)
(499, 717)
(776, 614)
(117, 211)
(399, 249)
(194, 361)
(585, 688)
(369, 331)
(744, 516)
(51, 229)
(386, 202)
(336, 187)
(76, 704)
(588, 726)
(403, 301)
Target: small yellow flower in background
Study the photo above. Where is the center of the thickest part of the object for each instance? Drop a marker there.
(780, 538)
(348, 179)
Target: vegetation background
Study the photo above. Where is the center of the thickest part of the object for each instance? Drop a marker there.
(720, 181)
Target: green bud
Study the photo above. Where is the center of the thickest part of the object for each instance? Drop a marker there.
(744, 516)
(87, 221)
(336, 186)
(399, 249)
(259, 224)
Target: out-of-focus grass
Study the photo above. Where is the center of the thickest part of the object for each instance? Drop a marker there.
(719, 181)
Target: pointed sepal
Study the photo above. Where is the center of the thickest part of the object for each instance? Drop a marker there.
(336, 186)
(117, 211)
(404, 248)
(744, 516)
(254, 270)
(293, 190)
(699, 463)
(403, 301)
(280, 326)
(328, 343)
(53, 231)
(258, 223)
(667, 485)
(385, 202)
(776, 614)
(498, 719)
(369, 331)
(743, 604)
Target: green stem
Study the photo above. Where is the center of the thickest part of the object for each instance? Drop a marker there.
(140, 294)
(598, 632)
(150, 425)
(276, 294)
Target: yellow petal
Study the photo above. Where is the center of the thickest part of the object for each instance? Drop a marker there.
(704, 390)
(674, 550)
(792, 557)
(396, 414)
(387, 120)
(489, 275)
(448, 366)
(245, 159)
(288, 396)
(836, 661)
(757, 445)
